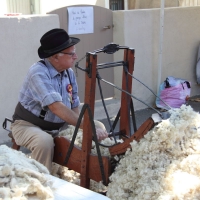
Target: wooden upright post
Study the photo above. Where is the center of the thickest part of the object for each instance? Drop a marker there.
(125, 98)
(90, 86)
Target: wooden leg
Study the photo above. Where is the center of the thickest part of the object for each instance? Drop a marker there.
(14, 145)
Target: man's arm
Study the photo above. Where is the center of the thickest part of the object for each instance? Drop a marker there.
(66, 114)
(76, 110)
(71, 117)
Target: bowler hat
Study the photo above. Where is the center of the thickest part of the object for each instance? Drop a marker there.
(55, 41)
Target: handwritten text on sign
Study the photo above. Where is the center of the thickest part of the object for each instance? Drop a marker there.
(80, 20)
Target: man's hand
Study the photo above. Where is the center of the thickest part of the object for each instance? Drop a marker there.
(101, 134)
(100, 130)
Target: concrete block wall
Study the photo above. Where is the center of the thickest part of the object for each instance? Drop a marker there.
(140, 29)
(19, 41)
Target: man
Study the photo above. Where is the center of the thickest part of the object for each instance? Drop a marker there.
(49, 97)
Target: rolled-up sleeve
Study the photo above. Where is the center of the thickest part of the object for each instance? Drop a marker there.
(43, 90)
(51, 98)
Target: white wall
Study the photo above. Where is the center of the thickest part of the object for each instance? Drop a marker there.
(139, 29)
(3, 7)
(43, 6)
(49, 5)
(19, 43)
(146, 4)
(189, 2)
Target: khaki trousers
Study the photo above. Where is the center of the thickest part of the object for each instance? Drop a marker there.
(39, 142)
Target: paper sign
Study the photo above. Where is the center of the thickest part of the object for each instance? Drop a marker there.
(80, 20)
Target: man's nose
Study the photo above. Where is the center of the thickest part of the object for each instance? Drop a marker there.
(75, 56)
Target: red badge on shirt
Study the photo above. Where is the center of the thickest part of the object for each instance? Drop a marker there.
(69, 90)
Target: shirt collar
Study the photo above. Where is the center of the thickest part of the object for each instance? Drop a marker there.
(53, 72)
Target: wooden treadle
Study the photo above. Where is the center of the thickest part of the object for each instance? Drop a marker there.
(60, 151)
(122, 147)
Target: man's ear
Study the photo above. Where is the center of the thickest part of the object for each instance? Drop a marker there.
(55, 57)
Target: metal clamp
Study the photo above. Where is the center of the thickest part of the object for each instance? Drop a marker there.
(108, 27)
(4, 125)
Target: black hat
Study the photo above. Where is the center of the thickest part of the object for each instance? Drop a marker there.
(55, 41)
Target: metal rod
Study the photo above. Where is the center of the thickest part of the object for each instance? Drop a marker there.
(149, 90)
(114, 65)
(162, 11)
(110, 63)
(131, 95)
(104, 105)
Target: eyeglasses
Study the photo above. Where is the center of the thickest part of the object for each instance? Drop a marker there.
(71, 54)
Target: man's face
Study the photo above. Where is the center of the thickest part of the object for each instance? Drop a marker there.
(66, 58)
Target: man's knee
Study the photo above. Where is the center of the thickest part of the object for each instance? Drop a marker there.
(46, 142)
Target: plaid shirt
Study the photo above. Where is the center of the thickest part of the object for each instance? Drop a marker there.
(43, 86)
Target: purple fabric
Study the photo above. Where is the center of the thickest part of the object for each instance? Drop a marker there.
(173, 96)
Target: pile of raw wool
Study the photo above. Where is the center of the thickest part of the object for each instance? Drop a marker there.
(165, 164)
(72, 176)
(68, 133)
(22, 177)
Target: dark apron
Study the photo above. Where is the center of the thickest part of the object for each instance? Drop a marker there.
(23, 114)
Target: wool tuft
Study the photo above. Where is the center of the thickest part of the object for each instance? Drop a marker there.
(21, 176)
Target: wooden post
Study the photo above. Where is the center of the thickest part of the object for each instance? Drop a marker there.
(90, 86)
(125, 98)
